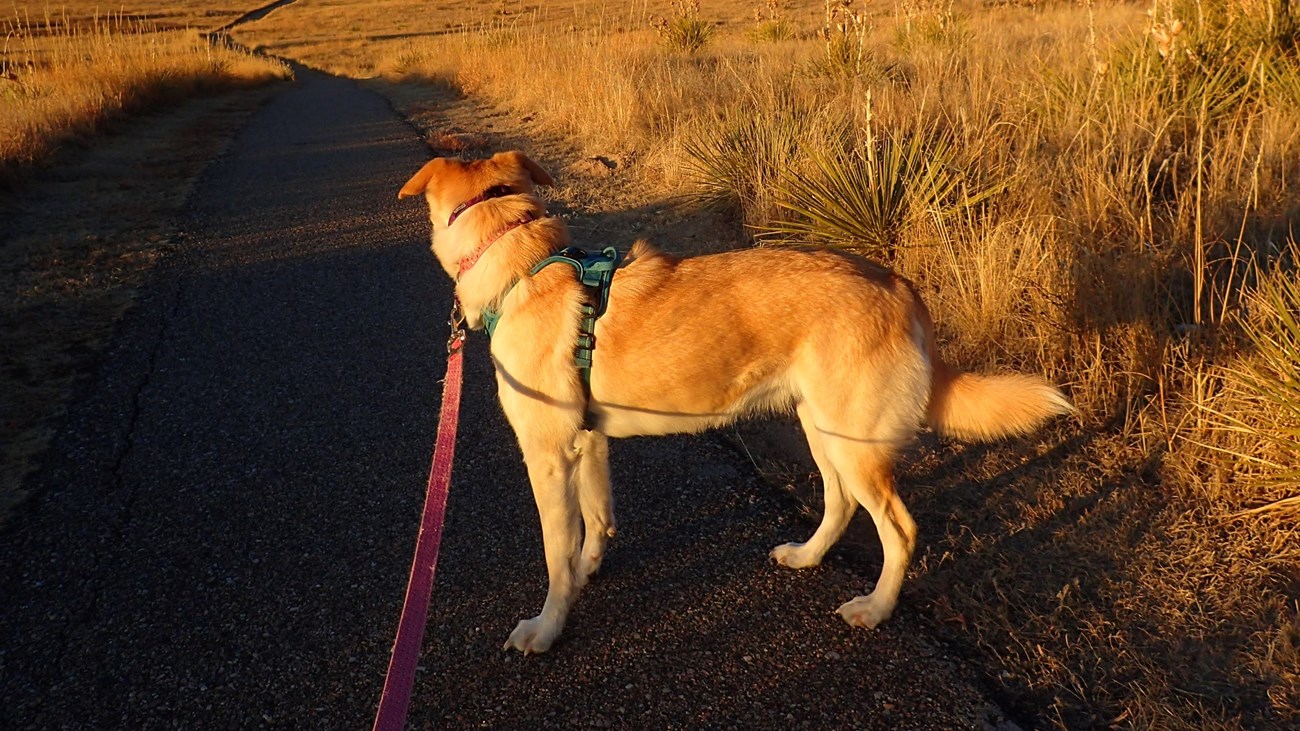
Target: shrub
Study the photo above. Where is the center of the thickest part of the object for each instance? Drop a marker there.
(863, 195)
(1255, 422)
(770, 24)
(685, 32)
(738, 158)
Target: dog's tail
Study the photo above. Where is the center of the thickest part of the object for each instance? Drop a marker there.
(976, 407)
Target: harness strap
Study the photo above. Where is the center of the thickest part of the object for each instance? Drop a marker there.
(596, 273)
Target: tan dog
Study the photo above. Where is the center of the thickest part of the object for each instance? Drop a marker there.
(688, 344)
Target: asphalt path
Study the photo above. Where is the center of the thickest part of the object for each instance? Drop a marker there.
(220, 535)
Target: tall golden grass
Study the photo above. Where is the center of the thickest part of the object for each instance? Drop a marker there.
(1104, 197)
(64, 82)
(1105, 192)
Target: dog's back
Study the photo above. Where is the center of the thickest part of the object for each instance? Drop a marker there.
(709, 338)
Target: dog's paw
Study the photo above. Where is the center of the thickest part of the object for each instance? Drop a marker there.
(532, 636)
(866, 611)
(794, 555)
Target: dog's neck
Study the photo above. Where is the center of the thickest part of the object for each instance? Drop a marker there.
(514, 248)
(470, 259)
(495, 191)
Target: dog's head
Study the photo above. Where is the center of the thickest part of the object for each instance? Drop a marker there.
(450, 182)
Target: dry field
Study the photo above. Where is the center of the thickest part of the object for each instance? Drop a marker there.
(66, 72)
(1105, 192)
(48, 18)
(86, 189)
(360, 39)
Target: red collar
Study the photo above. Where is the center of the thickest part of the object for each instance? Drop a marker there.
(468, 262)
(495, 191)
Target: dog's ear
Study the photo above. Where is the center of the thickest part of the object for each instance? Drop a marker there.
(519, 159)
(420, 181)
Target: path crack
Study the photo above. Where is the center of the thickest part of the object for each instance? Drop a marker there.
(120, 487)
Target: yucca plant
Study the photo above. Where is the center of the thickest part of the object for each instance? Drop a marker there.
(928, 22)
(739, 158)
(1282, 76)
(771, 31)
(844, 38)
(1255, 422)
(685, 31)
(770, 24)
(1274, 374)
(1210, 66)
(1181, 84)
(862, 196)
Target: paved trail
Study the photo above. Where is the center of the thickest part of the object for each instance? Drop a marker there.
(220, 536)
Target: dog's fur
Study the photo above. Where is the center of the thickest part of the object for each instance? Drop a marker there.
(693, 343)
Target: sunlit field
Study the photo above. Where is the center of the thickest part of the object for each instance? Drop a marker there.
(67, 72)
(44, 18)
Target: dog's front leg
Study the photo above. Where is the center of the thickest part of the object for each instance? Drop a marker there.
(549, 469)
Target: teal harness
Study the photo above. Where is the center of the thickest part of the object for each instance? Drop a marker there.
(596, 273)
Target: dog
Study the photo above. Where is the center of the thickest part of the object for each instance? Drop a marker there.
(692, 343)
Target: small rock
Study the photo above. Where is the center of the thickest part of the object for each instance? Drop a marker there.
(596, 166)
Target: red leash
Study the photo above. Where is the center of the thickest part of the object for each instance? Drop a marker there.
(396, 699)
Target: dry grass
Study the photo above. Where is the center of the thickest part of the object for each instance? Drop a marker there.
(67, 78)
(44, 18)
(1118, 199)
(354, 38)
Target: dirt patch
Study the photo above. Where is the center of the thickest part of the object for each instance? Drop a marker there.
(74, 246)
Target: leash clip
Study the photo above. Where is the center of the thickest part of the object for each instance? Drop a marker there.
(457, 320)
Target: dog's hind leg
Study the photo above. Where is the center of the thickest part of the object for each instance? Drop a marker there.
(591, 476)
(839, 506)
(869, 472)
(549, 469)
